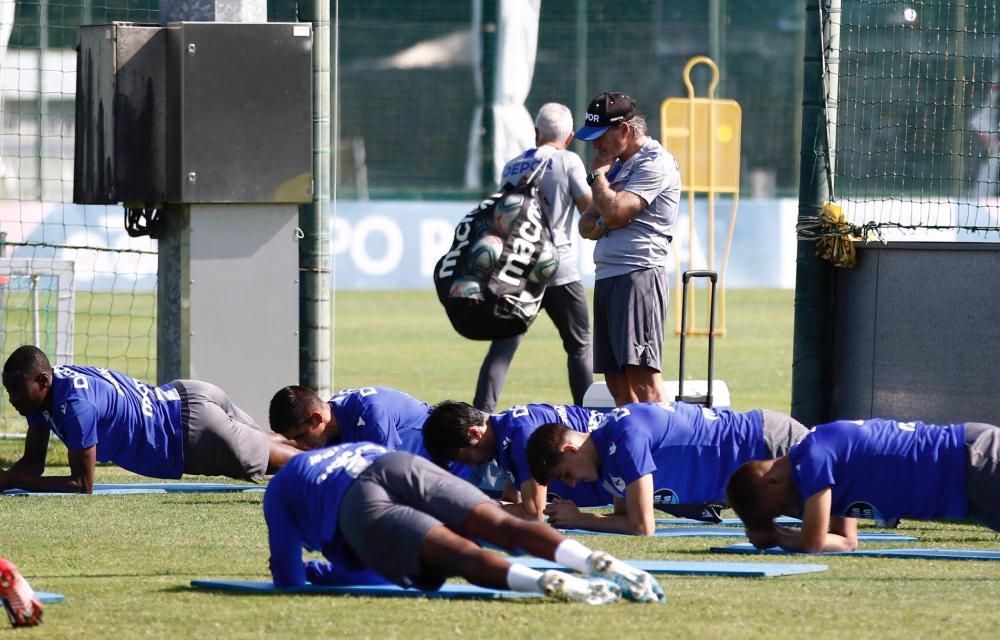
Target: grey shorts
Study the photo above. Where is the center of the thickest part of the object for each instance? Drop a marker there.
(392, 505)
(982, 483)
(781, 432)
(220, 438)
(629, 314)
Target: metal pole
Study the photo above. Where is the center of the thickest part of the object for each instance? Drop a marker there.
(488, 35)
(36, 324)
(800, 52)
(314, 252)
(581, 97)
(958, 99)
(43, 44)
(812, 357)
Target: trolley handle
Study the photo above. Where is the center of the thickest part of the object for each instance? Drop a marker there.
(707, 398)
(711, 275)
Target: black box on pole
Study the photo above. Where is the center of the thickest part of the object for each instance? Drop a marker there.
(195, 112)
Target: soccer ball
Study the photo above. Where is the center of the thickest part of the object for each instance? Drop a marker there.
(482, 226)
(506, 212)
(484, 254)
(466, 287)
(546, 265)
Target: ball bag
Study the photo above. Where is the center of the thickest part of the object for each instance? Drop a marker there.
(492, 279)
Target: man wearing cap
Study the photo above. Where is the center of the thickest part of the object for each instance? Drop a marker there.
(636, 187)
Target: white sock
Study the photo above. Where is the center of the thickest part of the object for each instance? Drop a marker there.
(522, 578)
(572, 554)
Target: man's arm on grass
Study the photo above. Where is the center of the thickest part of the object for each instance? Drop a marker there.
(36, 445)
(816, 534)
(532, 503)
(80, 479)
(633, 515)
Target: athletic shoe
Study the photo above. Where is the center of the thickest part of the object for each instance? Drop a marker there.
(635, 584)
(562, 586)
(23, 608)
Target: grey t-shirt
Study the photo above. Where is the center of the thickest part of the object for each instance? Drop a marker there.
(563, 182)
(651, 174)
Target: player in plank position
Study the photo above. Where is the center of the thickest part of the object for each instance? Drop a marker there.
(879, 469)
(182, 427)
(385, 416)
(458, 432)
(655, 456)
(410, 521)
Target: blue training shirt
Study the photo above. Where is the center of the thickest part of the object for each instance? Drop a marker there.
(385, 416)
(302, 506)
(884, 469)
(690, 450)
(514, 426)
(133, 424)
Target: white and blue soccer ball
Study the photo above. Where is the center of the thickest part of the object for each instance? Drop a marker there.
(484, 255)
(466, 287)
(506, 212)
(546, 265)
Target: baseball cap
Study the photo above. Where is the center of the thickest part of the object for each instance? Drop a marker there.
(606, 110)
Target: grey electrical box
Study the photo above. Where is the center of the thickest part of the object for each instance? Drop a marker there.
(120, 114)
(240, 112)
(194, 112)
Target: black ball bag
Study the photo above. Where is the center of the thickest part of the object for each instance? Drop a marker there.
(492, 279)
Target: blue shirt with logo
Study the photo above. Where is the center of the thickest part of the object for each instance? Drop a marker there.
(133, 424)
(385, 416)
(514, 426)
(884, 469)
(302, 507)
(689, 450)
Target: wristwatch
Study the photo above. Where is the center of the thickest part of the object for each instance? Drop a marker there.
(592, 176)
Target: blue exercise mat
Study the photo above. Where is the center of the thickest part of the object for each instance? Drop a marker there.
(448, 590)
(730, 532)
(696, 567)
(927, 554)
(149, 487)
(726, 522)
(46, 597)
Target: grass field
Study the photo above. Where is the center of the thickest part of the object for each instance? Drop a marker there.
(125, 562)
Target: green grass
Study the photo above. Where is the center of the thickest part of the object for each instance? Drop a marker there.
(403, 339)
(124, 562)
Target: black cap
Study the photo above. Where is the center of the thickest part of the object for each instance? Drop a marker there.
(606, 110)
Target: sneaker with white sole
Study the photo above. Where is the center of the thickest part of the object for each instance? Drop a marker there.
(22, 606)
(563, 586)
(635, 584)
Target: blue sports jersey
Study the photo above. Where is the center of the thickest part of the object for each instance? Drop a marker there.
(133, 424)
(514, 426)
(302, 506)
(385, 416)
(884, 469)
(690, 450)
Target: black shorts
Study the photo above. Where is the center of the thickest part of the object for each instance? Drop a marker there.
(392, 505)
(982, 483)
(220, 439)
(781, 432)
(629, 314)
